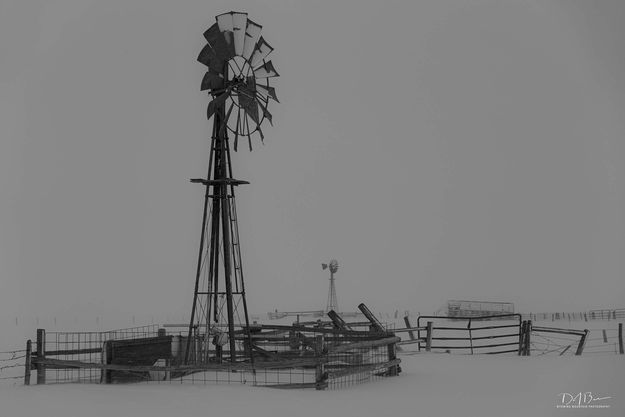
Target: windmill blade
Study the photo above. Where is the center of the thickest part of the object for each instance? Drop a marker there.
(217, 41)
(268, 91)
(266, 71)
(212, 81)
(214, 104)
(252, 33)
(248, 103)
(239, 26)
(266, 113)
(208, 57)
(261, 51)
(249, 140)
(226, 25)
(262, 137)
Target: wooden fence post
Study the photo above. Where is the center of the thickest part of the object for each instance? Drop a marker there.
(27, 363)
(410, 332)
(582, 342)
(470, 336)
(522, 338)
(41, 354)
(320, 383)
(528, 338)
(620, 338)
(428, 337)
(392, 355)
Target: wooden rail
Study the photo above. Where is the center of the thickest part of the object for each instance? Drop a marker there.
(70, 364)
(364, 344)
(350, 370)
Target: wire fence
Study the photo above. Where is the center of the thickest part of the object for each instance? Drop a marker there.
(597, 342)
(297, 356)
(12, 365)
(591, 315)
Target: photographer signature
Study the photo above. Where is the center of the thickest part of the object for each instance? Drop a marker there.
(580, 399)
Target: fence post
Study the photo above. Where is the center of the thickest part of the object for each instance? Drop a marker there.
(29, 349)
(522, 338)
(320, 378)
(582, 342)
(528, 338)
(393, 370)
(428, 337)
(410, 332)
(620, 338)
(605, 336)
(41, 354)
(470, 336)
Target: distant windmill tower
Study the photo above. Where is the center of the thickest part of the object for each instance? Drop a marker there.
(333, 304)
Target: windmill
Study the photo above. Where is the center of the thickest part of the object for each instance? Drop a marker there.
(238, 83)
(332, 304)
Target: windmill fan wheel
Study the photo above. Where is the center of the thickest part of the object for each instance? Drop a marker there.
(238, 76)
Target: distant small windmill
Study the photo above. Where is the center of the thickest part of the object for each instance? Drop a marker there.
(332, 304)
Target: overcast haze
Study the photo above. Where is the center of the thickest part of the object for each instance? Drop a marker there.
(437, 149)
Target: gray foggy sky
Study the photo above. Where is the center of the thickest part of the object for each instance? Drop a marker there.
(437, 149)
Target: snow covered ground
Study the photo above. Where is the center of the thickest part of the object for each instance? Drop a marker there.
(430, 385)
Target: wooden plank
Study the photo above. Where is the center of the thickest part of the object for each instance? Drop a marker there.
(501, 351)
(528, 341)
(357, 369)
(475, 347)
(364, 344)
(410, 342)
(264, 352)
(410, 332)
(428, 337)
(315, 330)
(338, 321)
(375, 323)
(470, 336)
(73, 352)
(320, 375)
(224, 366)
(557, 330)
(27, 363)
(477, 338)
(582, 342)
(294, 385)
(41, 353)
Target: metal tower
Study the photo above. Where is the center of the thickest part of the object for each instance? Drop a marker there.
(332, 303)
(238, 83)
